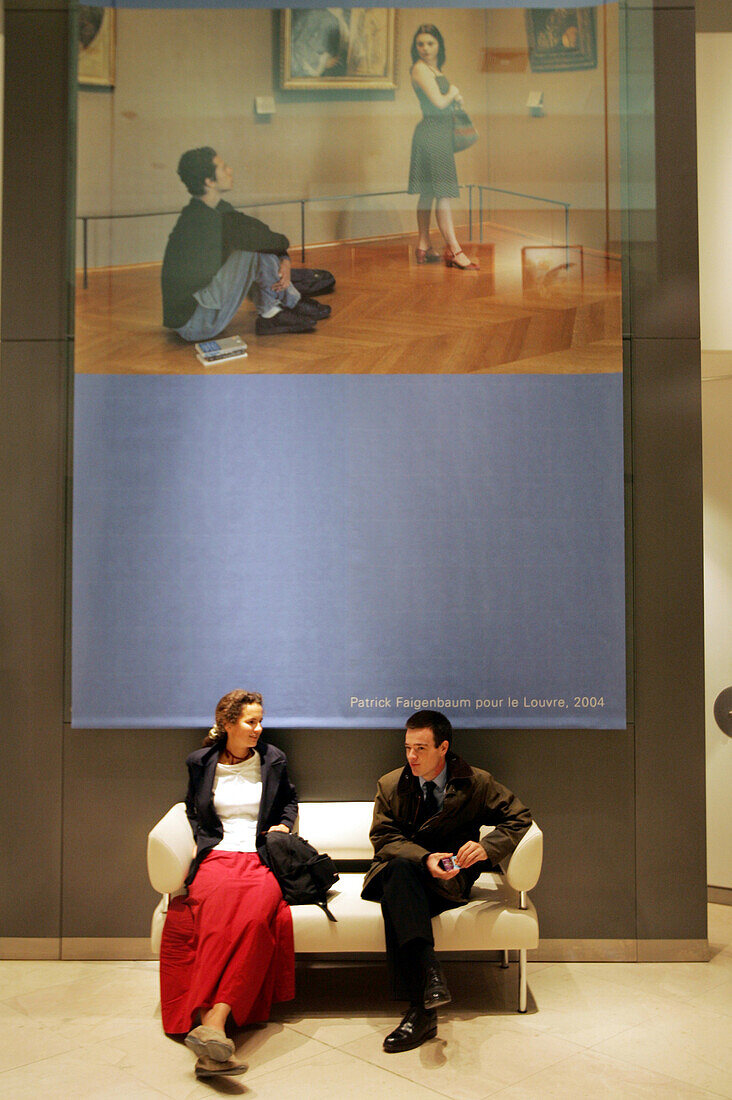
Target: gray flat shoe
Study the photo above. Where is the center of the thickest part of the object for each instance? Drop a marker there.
(209, 1042)
(209, 1067)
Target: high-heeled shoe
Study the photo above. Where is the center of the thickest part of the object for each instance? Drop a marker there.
(427, 256)
(449, 258)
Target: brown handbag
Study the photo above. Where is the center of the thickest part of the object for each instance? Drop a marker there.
(464, 133)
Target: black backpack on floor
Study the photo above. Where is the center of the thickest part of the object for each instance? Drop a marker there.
(304, 875)
(312, 281)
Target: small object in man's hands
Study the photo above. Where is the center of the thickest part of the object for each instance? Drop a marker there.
(449, 863)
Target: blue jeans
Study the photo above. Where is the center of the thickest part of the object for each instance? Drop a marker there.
(244, 273)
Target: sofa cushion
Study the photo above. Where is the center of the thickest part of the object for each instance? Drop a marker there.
(490, 921)
(339, 828)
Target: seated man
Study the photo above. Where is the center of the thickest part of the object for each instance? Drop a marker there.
(216, 255)
(431, 809)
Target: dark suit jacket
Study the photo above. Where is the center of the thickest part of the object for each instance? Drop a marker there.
(277, 807)
(472, 798)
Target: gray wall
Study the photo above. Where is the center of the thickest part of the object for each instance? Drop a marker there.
(713, 16)
(623, 812)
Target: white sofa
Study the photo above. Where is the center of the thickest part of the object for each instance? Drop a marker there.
(499, 916)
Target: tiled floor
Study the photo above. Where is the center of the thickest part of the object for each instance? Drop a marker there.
(79, 1030)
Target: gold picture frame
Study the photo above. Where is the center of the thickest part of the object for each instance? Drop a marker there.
(337, 48)
(97, 44)
(561, 39)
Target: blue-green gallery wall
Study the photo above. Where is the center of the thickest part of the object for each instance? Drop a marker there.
(619, 870)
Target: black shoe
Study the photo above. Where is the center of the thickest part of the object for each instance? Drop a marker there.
(310, 308)
(284, 321)
(436, 993)
(416, 1028)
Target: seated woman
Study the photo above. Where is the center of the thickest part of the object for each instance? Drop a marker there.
(227, 946)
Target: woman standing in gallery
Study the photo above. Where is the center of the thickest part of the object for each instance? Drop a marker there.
(227, 946)
(432, 173)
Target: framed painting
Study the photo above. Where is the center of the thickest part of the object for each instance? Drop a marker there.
(340, 48)
(96, 46)
(561, 39)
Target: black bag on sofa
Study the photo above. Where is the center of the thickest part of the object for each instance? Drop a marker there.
(312, 281)
(304, 875)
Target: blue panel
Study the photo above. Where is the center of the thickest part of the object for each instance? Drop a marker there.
(352, 546)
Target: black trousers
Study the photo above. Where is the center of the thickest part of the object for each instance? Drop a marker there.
(409, 901)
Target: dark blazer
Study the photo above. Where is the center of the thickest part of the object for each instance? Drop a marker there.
(472, 798)
(277, 807)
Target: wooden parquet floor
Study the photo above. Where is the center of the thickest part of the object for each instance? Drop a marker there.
(390, 316)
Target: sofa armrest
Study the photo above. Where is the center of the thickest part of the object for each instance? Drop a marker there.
(523, 867)
(170, 849)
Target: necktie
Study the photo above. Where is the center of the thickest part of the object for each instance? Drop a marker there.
(430, 799)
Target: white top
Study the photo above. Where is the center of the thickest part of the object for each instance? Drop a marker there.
(237, 793)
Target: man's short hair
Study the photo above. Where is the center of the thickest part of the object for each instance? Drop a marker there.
(432, 720)
(195, 167)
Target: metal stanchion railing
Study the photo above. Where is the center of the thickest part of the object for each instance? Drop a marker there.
(304, 201)
(522, 195)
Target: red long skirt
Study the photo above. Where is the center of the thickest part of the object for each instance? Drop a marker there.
(230, 940)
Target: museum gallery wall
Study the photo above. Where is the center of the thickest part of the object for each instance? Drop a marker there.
(418, 503)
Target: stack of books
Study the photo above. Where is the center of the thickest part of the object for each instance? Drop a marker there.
(210, 352)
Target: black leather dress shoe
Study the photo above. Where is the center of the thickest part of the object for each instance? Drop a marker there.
(283, 322)
(436, 993)
(310, 308)
(416, 1028)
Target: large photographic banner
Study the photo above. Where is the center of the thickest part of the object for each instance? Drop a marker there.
(415, 497)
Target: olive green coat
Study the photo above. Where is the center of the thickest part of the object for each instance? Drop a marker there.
(472, 798)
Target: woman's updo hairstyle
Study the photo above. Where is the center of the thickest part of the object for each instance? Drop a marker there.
(228, 711)
(429, 28)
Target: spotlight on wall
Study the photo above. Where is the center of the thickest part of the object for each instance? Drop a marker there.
(264, 107)
(535, 103)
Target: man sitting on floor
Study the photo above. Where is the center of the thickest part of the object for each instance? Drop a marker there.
(216, 256)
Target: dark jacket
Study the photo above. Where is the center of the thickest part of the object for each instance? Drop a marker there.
(202, 240)
(278, 805)
(472, 798)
